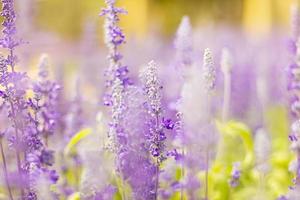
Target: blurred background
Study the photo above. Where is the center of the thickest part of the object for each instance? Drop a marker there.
(71, 33)
(67, 18)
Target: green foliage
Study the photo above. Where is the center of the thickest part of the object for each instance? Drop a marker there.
(236, 144)
(70, 148)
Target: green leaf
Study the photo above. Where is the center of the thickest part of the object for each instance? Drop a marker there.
(76, 139)
(231, 132)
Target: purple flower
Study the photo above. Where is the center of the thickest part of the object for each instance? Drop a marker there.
(45, 101)
(209, 71)
(168, 123)
(183, 43)
(47, 157)
(153, 94)
(116, 75)
(282, 198)
(9, 31)
(235, 175)
(106, 194)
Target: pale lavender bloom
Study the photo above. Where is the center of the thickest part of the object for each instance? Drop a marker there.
(209, 71)
(183, 43)
(45, 102)
(226, 67)
(282, 198)
(76, 116)
(153, 93)
(196, 115)
(156, 124)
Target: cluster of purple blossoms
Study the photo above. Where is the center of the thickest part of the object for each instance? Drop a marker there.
(116, 73)
(21, 136)
(140, 133)
(125, 143)
(45, 117)
(23, 130)
(139, 171)
(45, 102)
(152, 89)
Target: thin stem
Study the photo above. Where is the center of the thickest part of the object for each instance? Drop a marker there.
(5, 171)
(157, 160)
(298, 168)
(206, 175)
(17, 146)
(182, 174)
(46, 140)
(227, 96)
(12, 57)
(12, 65)
(156, 178)
(123, 194)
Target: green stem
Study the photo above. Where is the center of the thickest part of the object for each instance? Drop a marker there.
(182, 175)
(206, 175)
(156, 179)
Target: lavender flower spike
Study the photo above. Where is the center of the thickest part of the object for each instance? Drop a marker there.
(116, 74)
(183, 42)
(209, 71)
(155, 135)
(45, 100)
(152, 89)
(226, 67)
(114, 38)
(9, 41)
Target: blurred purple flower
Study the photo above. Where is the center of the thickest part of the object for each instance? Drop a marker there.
(235, 175)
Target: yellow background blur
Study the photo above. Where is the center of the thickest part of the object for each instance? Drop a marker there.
(67, 17)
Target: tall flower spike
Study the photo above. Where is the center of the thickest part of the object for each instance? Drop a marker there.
(226, 67)
(209, 71)
(156, 125)
(45, 100)
(152, 87)
(9, 40)
(116, 74)
(153, 93)
(114, 37)
(183, 42)
(45, 118)
(14, 85)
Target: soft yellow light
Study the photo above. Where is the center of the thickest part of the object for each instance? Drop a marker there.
(257, 16)
(136, 21)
